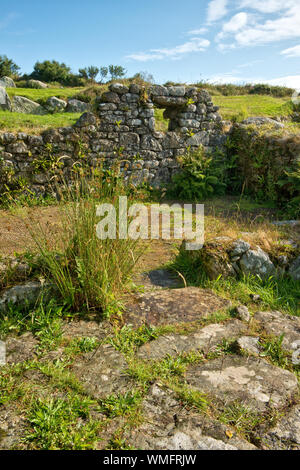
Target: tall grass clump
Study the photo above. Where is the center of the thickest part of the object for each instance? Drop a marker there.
(89, 273)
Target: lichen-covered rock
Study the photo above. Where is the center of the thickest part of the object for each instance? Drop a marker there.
(5, 103)
(276, 323)
(158, 90)
(119, 88)
(232, 258)
(168, 425)
(173, 306)
(260, 121)
(213, 258)
(87, 119)
(249, 344)
(77, 106)
(238, 248)
(102, 372)
(110, 97)
(7, 82)
(12, 427)
(24, 105)
(21, 349)
(25, 294)
(37, 84)
(86, 329)
(56, 105)
(257, 262)
(205, 339)
(252, 381)
(243, 313)
(286, 434)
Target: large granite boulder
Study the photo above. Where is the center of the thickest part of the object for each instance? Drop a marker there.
(26, 294)
(25, 106)
(55, 105)
(233, 258)
(257, 262)
(76, 106)
(261, 120)
(5, 103)
(7, 82)
(37, 84)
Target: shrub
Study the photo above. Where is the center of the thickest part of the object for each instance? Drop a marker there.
(291, 184)
(53, 71)
(230, 89)
(89, 94)
(266, 167)
(201, 176)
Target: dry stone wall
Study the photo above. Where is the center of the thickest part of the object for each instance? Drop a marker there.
(123, 123)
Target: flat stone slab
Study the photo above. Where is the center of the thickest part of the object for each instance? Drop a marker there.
(276, 323)
(168, 425)
(206, 339)
(254, 382)
(12, 428)
(249, 344)
(173, 306)
(102, 372)
(86, 329)
(286, 434)
(162, 278)
(20, 349)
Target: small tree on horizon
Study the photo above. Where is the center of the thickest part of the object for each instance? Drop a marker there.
(116, 71)
(103, 73)
(89, 73)
(8, 68)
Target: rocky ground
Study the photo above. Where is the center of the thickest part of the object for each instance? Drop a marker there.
(184, 368)
(185, 372)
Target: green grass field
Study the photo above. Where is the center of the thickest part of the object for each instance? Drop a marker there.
(35, 95)
(17, 122)
(231, 108)
(252, 105)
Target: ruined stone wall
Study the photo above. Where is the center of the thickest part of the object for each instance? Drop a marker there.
(123, 123)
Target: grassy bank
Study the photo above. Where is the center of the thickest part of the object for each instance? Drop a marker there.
(18, 122)
(252, 105)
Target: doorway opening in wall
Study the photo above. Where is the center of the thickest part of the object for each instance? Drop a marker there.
(161, 121)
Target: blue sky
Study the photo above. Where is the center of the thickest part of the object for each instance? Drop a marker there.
(216, 40)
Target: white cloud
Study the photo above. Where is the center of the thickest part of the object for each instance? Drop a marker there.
(291, 52)
(291, 81)
(7, 20)
(194, 45)
(284, 27)
(237, 22)
(216, 10)
(224, 47)
(268, 6)
(251, 30)
(224, 78)
(196, 32)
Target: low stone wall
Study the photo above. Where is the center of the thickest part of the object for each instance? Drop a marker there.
(123, 123)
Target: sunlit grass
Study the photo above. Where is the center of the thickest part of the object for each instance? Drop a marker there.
(32, 124)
